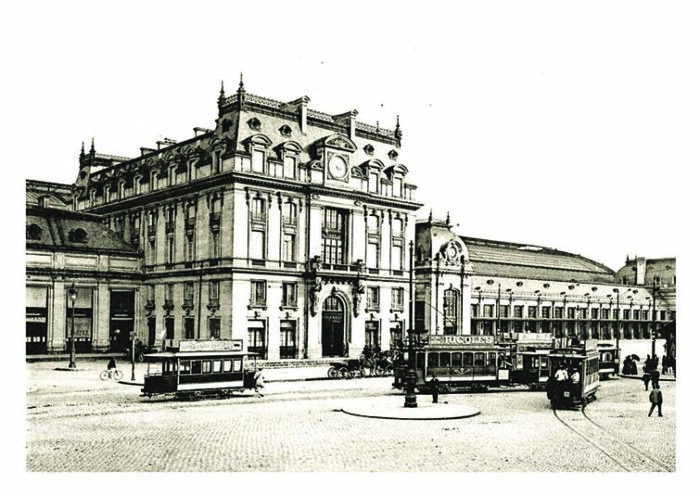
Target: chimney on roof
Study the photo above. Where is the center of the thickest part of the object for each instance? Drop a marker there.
(641, 270)
(145, 150)
(300, 106)
(198, 131)
(165, 142)
(347, 119)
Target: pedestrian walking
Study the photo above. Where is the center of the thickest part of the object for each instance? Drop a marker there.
(656, 399)
(664, 364)
(646, 377)
(259, 382)
(435, 388)
(655, 378)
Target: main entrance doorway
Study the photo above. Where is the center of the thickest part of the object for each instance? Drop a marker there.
(333, 327)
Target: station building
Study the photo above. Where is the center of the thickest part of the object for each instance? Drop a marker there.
(292, 230)
(66, 252)
(520, 292)
(282, 226)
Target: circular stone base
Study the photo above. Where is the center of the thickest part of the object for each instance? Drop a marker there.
(391, 407)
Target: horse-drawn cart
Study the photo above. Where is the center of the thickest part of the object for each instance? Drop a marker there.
(346, 369)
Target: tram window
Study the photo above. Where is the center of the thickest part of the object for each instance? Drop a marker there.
(479, 359)
(227, 365)
(237, 365)
(196, 367)
(432, 360)
(216, 366)
(456, 359)
(490, 358)
(184, 367)
(468, 359)
(206, 367)
(444, 359)
(544, 362)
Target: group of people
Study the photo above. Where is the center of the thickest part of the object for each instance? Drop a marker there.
(564, 386)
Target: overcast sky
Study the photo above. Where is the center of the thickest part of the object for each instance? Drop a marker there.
(546, 123)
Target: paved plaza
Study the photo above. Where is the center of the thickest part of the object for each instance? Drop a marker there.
(77, 423)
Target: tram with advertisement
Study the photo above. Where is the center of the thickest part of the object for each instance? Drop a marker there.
(200, 369)
(574, 376)
(460, 363)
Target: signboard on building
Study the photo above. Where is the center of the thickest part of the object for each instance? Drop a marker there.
(455, 340)
(534, 337)
(212, 345)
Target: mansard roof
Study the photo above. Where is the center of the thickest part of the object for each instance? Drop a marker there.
(507, 259)
(65, 230)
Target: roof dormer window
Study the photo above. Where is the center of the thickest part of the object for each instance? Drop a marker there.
(78, 235)
(286, 131)
(254, 124)
(34, 232)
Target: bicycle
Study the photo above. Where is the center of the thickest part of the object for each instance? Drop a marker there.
(115, 374)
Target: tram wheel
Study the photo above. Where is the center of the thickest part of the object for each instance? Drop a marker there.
(343, 372)
(333, 373)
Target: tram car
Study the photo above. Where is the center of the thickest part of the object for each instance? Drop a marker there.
(200, 369)
(609, 360)
(461, 363)
(531, 360)
(563, 389)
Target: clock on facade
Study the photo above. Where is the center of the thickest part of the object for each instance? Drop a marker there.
(337, 167)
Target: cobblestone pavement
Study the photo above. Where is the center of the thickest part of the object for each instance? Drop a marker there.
(80, 424)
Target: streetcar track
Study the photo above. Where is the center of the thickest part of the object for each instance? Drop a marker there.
(620, 452)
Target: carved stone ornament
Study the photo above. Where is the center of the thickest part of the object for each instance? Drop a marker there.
(314, 291)
(452, 252)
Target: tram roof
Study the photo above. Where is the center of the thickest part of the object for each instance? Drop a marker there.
(197, 354)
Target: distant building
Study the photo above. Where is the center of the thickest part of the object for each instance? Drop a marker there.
(517, 291)
(66, 249)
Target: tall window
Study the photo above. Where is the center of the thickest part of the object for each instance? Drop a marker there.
(170, 253)
(290, 167)
(372, 255)
(288, 247)
(289, 294)
(258, 161)
(188, 299)
(289, 214)
(451, 311)
(213, 293)
(397, 243)
(373, 298)
(532, 312)
(396, 299)
(258, 293)
(256, 338)
(214, 327)
(288, 339)
(373, 182)
(258, 228)
(335, 234)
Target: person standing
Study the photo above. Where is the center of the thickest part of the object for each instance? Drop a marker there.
(259, 382)
(654, 378)
(656, 399)
(646, 377)
(435, 388)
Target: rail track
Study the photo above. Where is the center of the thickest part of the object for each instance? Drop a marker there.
(623, 454)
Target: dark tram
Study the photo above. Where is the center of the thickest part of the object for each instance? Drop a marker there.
(200, 368)
(461, 363)
(574, 375)
(609, 360)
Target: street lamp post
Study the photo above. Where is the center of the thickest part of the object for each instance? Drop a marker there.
(73, 293)
(617, 323)
(498, 305)
(410, 398)
(653, 319)
(133, 356)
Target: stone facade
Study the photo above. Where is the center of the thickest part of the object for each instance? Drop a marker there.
(285, 227)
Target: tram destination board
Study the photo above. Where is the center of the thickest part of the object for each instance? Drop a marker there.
(459, 340)
(212, 345)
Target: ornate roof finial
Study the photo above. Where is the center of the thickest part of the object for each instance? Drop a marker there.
(397, 132)
(447, 221)
(92, 146)
(222, 98)
(430, 217)
(241, 89)
(377, 126)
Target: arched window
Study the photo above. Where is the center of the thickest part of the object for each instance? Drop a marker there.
(451, 311)
(33, 232)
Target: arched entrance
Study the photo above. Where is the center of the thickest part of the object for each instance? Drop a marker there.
(333, 327)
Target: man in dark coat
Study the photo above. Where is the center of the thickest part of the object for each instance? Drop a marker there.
(656, 399)
(435, 388)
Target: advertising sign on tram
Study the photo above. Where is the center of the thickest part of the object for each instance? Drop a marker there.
(459, 340)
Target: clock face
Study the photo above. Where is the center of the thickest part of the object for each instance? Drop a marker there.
(337, 167)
